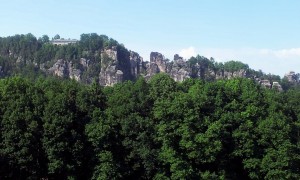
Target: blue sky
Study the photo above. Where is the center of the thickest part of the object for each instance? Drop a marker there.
(264, 34)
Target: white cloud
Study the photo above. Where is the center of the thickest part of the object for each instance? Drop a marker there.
(268, 60)
(277, 62)
(188, 52)
(287, 53)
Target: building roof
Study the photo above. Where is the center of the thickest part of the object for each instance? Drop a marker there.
(64, 41)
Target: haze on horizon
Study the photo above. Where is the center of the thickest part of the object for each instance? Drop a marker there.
(263, 34)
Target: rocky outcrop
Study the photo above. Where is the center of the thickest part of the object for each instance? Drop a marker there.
(112, 71)
(158, 64)
(277, 86)
(111, 53)
(119, 65)
(239, 73)
(74, 73)
(292, 77)
(136, 64)
(266, 83)
(59, 68)
(85, 62)
(179, 70)
(110, 74)
(65, 69)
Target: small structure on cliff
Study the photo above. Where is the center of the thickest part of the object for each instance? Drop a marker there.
(63, 41)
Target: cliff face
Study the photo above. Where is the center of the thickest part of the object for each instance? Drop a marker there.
(136, 64)
(110, 73)
(292, 77)
(102, 59)
(65, 69)
(119, 66)
(180, 70)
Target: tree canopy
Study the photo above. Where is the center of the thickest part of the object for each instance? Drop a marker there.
(161, 129)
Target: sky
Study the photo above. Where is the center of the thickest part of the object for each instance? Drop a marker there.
(265, 34)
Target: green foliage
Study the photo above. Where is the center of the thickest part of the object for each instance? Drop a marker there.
(57, 36)
(233, 66)
(44, 39)
(162, 86)
(60, 129)
(105, 60)
(196, 129)
(92, 42)
(201, 60)
(21, 128)
(19, 51)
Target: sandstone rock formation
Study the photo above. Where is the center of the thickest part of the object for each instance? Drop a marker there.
(292, 77)
(266, 83)
(110, 74)
(277, 86)
(158, 63)
(65, 69)
(136, 64)
(179, 69)
(118, 66)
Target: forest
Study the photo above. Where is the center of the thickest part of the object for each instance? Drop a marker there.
(27, 55)
(158, 129)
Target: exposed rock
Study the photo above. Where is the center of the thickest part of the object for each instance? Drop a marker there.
(277, 86)
(266, 83)
(179, 70)
(111, 53)
(230, 75)
(20, 59)
(292, 77)
(157, 63)
(177, 57)
(219, 75)
(85, 62)
(111, 70)
(118, 66)
(65, 69)
(59, 68)
(136, 64)
(73, 73)
(179, 75)
(110, 76)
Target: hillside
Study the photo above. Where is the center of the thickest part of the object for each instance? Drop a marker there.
(103, 59)
(91, 109)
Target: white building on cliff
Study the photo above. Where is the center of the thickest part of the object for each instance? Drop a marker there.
(63, 41)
